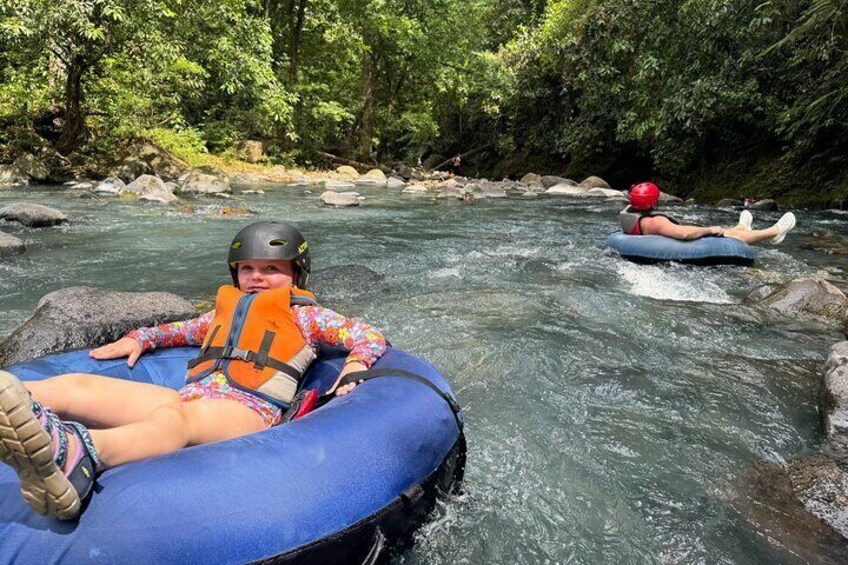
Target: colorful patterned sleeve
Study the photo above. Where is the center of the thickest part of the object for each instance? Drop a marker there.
(322, 325)
(175, 334)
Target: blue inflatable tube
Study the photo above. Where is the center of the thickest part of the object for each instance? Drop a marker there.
(340, 485)
(703, 251)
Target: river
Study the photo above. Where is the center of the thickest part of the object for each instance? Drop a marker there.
(611, 408)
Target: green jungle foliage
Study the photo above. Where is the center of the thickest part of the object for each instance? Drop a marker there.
(703, 95)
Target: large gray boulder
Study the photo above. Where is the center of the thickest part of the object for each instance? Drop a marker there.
(728, 202)
(567, 190)
(340, 199)
(416, 190)
(667, 198)
(81, 317)
(10, 175)
(834, 398)
(531, 177)
(489, 189)
(766, 204)
(10, 245)
(550, 180)
(132, 168)
(594, 182)
(374, 177)
(147, 158)
(198, 182)
(347, 172)
(31, 166)
(394, 182)
(251, 150)
(32, 215)
(148, 187)
(604, 193)
(803, 296)
(112, 185)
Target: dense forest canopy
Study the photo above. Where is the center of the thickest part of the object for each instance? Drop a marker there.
(689, 92)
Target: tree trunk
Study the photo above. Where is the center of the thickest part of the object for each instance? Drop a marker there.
(366, 130)
(295, 37)
(74, 122)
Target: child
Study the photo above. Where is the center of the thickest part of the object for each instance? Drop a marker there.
(639, 219)
(257, 343)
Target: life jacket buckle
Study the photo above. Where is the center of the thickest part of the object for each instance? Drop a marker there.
(232, 352)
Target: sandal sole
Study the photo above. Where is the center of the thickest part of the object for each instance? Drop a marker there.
(27, 447)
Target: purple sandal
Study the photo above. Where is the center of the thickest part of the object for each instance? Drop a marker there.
(34, 442)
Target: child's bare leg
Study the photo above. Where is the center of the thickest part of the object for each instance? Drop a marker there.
(100, 401)
(175, 426)
(754, 236)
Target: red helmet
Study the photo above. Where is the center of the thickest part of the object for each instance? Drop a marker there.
(644, 196)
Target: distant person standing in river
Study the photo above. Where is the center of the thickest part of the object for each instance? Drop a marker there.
(456, 165)
(640, 218)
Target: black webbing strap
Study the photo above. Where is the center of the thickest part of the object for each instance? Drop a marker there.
(210, 339)
(234, 353)
(264, 349)
(375, 373)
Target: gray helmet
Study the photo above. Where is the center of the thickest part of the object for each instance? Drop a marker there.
(271, 240)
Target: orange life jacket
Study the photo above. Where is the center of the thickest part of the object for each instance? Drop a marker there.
(254, 341)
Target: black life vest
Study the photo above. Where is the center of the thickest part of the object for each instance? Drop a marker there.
(630, 221)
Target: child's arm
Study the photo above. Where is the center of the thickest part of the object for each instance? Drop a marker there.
(175, 334)
(322, 325)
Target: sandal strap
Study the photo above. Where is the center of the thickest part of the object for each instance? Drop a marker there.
(86, 443)
(51, 423)
(85, 463)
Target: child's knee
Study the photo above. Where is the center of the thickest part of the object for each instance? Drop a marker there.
(175, 419)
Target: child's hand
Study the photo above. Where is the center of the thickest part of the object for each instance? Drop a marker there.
(348, 368)
(124, 347)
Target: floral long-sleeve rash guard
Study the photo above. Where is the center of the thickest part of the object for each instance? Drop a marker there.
(317, 325)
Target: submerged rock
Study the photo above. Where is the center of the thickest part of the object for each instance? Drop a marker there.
(10, 245)
(338, 185)
(344, 282)
(340, 199)
(806, 295)
(32, 215)
(148, 187)
(827, 241)
(833, 404)
(80, 317)
(780, 500)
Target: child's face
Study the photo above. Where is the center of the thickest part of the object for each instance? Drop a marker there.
(258, 275)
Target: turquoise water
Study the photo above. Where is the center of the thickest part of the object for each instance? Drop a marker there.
(611, 408)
